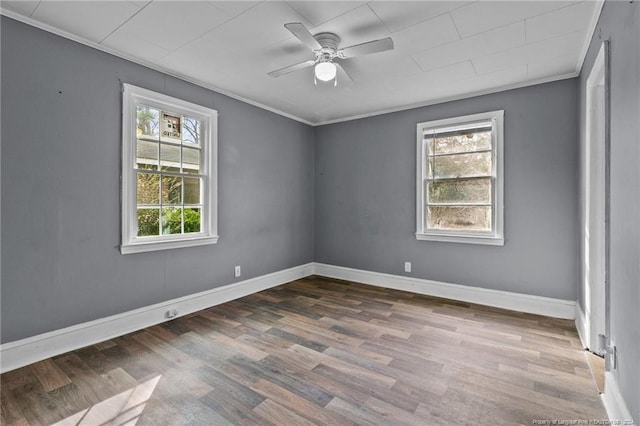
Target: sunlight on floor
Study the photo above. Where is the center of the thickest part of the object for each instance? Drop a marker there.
(122, 409)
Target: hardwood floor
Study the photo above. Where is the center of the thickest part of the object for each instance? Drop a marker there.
(596, 365)
(318, 351)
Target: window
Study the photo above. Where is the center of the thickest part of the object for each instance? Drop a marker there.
(169, 185)
(459, 187)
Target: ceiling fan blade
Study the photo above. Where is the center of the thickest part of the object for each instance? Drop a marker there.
(366, 48)
(291, 68)
(341, 66)
(303, 34)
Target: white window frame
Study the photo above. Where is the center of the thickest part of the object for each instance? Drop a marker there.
(130, 242)
(496, 235)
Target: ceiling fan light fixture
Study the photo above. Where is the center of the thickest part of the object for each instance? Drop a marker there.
(325, 48)
(325, 71)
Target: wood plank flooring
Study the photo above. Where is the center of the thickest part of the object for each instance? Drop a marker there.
(596, 365)
(318, 351)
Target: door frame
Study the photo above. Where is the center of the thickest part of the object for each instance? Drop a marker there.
(595, 230)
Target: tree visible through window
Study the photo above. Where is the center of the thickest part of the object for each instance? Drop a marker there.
(459, 179)
(170, 189)
(168, 173)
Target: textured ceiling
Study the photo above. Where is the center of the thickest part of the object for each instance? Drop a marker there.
(443, 49)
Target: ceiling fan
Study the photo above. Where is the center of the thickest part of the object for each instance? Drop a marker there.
(327, 54)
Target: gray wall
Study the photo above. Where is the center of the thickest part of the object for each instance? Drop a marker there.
(365, 195)
(61, 137)
(620, 24)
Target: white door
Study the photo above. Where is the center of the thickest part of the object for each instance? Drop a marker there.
(594, 233)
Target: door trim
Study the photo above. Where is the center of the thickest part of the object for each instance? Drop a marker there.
(595, 215)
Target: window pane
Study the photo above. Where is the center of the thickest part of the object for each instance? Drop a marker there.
(192, 221)
(460, 165)
(171, 191)
(146, 154)
(190, 131)
(171, 221)
(452, 144)
(147, 122)
(148, 189)
(148, 222)
(192, 191)
(459, 218)
(190, 160)
(170, 126)
(169, 157)
(460, 191)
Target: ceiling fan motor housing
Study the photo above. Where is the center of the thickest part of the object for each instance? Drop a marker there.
(329, 43)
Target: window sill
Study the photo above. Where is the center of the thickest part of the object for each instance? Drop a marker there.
(141, 247)
(465, 239)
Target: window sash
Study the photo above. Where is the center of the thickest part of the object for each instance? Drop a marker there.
(131, 243)
(162, 206)
(458, 130)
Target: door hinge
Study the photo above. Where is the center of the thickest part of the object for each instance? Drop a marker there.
(609, 350)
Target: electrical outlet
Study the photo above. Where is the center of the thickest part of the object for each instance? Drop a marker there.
(237, 271)
(171, 313)
(407, 266)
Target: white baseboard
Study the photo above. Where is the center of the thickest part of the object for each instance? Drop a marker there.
(33, 349)
(547, 306)
(582, 325)
(614, 402)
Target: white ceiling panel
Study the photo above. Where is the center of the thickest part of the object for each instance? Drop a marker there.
(234, 8)
(169, 24)
(426, 35)
(384, 65)
(90, 20)
(474, 85)
(490, 82)
(449, 74)
(317, 15)
(129, 43)
(484, 83)
(397, 15)
(560, 22)
(553, 67)
(425, 83)
(256, 29)
(482, 44)
(483, 16)
(25, 8)
(200, 59)
(140, 3)
(530, 53)
(443, 49)
(355, 27)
